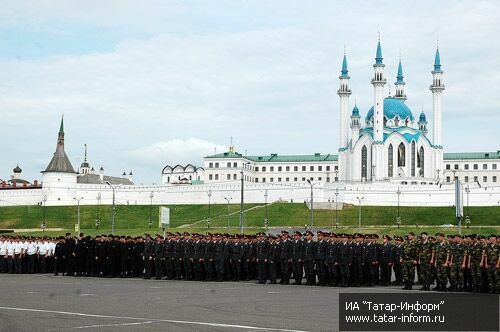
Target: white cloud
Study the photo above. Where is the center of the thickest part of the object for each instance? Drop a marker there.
(176, 151)
(264, 73)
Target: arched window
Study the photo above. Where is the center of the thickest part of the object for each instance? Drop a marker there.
(421, 157)
(390, 165)
(413, 158)
(401, 155)
(364, 161)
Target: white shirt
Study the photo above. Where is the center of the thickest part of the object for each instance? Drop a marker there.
(18, 248)
(10, 248)
(3, 248)
(31, 248)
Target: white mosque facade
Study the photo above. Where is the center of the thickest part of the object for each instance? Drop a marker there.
(387, 157)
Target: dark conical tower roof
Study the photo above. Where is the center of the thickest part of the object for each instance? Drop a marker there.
(60, 162)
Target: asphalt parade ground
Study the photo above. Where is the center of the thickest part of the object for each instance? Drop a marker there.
(49, 303)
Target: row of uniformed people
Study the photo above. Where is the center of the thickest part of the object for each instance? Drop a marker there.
(25, 254)
(465, 263)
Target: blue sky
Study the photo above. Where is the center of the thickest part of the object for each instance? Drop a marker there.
(151, 83)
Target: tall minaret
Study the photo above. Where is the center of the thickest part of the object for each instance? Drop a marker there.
(400, 83)
(378, 81)
(355, 124)
(437, 88)
(344, 92)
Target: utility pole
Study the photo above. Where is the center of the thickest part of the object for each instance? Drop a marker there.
(44, 214)
(312, 203)
(242, 197)
(359, 214)
(266, 221)
(209, 195)
(228, 219)
(467, 217)
(114, 210)
(78, 211)
(97, 220)
(337, 207)
(151, 210)
(398, 219)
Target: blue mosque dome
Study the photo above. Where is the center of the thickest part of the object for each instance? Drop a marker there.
(355, 111)
(422, 117)
(393, 107)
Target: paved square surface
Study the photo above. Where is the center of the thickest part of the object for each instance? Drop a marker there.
(49, 303)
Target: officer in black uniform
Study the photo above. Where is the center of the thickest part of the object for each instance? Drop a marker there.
(236, 255)
(159, 257)
(309, 249)
(320, 258)
(332, 260)
(262, 255)
(148, 256)
(396, 254)
(345, 259)
(385, 259)
(297, 255)
(285, 257)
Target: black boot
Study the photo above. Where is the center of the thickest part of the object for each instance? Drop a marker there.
(438, 287)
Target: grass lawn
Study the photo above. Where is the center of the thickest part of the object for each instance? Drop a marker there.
(133, 219)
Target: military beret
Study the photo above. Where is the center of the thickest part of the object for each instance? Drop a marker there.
(411, 233)
(423, 233)
(439, 234)
(387, 237)
(493, 236)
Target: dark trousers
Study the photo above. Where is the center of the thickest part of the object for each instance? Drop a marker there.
(285, 271)
(209, 270)
(219, 269)
(273, 271)
(261, 271)
(309, 272)
(187, 269)
(398, 272)
(333, 273)
(159, 264)
(41, 262)
(344, 274)
(31, 263)
(178, 268)
(297, 271)
(11, 262)
(58, 265)
(385, 273)
(198, 270)
(3, 264)
(321, 271)
(148, 267)
(236, 268)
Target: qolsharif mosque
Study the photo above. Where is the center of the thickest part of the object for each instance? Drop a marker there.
(386, 158)
(392, 143)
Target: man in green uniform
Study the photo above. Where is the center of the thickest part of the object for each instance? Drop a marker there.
(442, 262)
(492, 265)
(409, 260)
(425, 260)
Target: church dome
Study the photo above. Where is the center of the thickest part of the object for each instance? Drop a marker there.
(17, 170)
(393, 107)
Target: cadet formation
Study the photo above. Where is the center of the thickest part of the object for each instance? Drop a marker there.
(454, 263)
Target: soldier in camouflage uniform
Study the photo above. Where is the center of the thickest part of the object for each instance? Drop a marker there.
(493, 265)
(409, 260)
(457, 265)
(442, 259)
(425, 260)
(476, 262)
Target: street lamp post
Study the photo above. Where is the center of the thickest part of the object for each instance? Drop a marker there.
(398, 218)
(44, 215)
(266, 221)
(151, 210)
(242, 196)
(209, 196)
(78, 211)
(359, 214)
(228, 219)
(114, 210)
(97, 221)
(336, 171)
(337, 207)
(312, 203)
(467, 217)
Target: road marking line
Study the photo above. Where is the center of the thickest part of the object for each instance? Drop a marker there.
(109, 325)
(241, 327)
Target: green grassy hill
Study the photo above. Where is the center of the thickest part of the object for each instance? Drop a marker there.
(133, 219)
